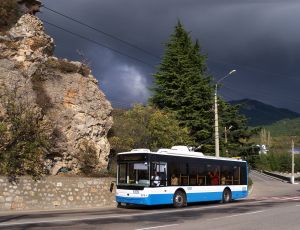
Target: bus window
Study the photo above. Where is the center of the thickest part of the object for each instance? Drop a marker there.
(236, 175)
(213, 174)
(193, 174)
(134, 173)
(158, 174)
(122, 173)
(226, 175)
(201, 175)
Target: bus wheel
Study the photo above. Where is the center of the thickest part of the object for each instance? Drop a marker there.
(119, 205)
(179, 199)
(226, 198)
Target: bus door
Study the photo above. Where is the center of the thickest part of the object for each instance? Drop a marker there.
(159, 174)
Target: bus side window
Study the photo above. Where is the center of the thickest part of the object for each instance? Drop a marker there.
(201, 175)
(236, 175)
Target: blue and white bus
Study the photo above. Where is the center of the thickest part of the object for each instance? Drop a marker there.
(178, 176)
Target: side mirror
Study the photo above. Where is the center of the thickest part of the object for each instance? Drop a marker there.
(111, 186)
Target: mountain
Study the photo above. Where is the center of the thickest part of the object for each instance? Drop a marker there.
(260, 114)
(286, 127)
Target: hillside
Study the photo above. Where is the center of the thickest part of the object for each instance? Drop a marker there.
(261, 114)
(287, 127)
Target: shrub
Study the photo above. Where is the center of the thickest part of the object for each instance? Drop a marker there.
(281, 162)
(68, 67)
(9, 13)
(25, 137)
(87, 158)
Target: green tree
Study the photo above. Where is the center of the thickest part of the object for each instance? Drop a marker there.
(182, 85)
(237, 132)
(146, 127)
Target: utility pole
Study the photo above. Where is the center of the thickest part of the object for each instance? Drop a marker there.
(217, 146)
(293, 163)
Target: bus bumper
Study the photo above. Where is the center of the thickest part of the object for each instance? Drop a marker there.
(150, 200)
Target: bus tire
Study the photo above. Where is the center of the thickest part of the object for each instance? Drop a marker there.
(179, 199)
(227, 196)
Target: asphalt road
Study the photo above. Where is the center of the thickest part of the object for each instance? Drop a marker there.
(272, 205)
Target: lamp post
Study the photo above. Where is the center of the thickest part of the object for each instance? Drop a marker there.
(217, 147)
(293, 164)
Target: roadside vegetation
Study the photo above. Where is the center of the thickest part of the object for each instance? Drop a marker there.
(278, 141)
(24, 137)
(9, 14)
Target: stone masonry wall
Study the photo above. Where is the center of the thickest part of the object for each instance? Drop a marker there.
(55, 192)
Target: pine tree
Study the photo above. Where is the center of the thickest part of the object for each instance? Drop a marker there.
(183, 86)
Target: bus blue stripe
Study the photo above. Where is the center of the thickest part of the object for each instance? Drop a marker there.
(156, 199)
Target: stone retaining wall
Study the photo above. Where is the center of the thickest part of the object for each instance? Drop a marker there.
(53, 193)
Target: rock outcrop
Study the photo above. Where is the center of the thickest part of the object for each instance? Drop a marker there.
(65, 91)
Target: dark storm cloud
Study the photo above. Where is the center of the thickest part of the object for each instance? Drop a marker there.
(258, 38)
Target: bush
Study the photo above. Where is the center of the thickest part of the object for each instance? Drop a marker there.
(24, 137)
(87, 158)
(9, 13)
(68, 67)
(281, 162)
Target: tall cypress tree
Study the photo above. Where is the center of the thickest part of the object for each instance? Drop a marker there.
(183, 85)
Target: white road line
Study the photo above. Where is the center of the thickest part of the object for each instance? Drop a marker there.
(241, 214)
(298, 205)
(161, 226)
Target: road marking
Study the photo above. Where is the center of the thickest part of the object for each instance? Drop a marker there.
(235, 215)
(278, 198)
(298, 205)
(46, 221)
(242, 214)
(161, 226)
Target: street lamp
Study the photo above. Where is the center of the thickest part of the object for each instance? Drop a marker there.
(217, 147)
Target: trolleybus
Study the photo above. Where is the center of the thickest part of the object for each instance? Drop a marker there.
(178, 176)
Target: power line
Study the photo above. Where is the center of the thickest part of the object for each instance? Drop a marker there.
(98, 43)
(103, 32)
(154, 55)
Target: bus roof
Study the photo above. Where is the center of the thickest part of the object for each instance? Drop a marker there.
(180, 153)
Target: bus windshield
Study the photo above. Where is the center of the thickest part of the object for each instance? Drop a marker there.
(134, 173)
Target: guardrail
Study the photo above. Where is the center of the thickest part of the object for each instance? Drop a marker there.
(284, 178)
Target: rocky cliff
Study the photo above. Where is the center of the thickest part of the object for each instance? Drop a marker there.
(64, 91)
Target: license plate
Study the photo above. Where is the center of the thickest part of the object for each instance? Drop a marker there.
(135, 191)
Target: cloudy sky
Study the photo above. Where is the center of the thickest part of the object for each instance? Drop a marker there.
(258, 38)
